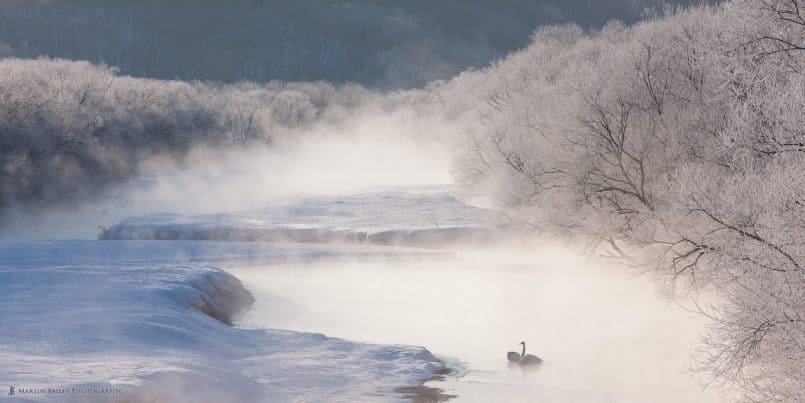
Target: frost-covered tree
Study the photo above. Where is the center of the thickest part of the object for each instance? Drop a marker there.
(676, 145)
(70, 129)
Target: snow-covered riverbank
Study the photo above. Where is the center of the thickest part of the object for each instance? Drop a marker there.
(422, 219)
(145, 322)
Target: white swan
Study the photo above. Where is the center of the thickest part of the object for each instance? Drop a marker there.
(513, 357)
(523, 359)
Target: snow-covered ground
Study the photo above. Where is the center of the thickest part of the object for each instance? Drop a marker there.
(423, 218)
(146, 321)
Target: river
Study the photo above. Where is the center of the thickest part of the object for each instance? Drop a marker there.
(605, 336)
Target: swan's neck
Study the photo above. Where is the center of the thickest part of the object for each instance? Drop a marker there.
(523, 354)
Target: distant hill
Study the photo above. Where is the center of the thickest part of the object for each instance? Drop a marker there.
(378, 43)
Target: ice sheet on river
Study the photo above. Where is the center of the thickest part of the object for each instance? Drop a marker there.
(386, 218)
(150, 318)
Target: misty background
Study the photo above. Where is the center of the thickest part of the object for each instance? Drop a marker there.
(85, 101)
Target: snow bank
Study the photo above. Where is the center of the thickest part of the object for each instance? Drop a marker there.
(386, 218)
(88, 317)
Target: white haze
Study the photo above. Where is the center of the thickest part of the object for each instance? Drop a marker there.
(605, 337)
(365, 149)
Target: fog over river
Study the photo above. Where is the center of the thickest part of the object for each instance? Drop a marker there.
(605, 336)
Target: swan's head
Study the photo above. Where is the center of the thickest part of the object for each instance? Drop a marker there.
(522, 342)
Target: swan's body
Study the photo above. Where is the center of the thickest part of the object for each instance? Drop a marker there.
(523, 359)
(530, 359)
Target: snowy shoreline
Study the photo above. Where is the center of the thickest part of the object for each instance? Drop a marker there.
(392, 218)
(158, 330)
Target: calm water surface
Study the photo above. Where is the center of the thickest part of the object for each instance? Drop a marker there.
(604, 336)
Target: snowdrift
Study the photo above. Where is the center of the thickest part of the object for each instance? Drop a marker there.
(387, 218)
(149, 322)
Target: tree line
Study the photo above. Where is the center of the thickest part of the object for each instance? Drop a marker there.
(68, 130)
